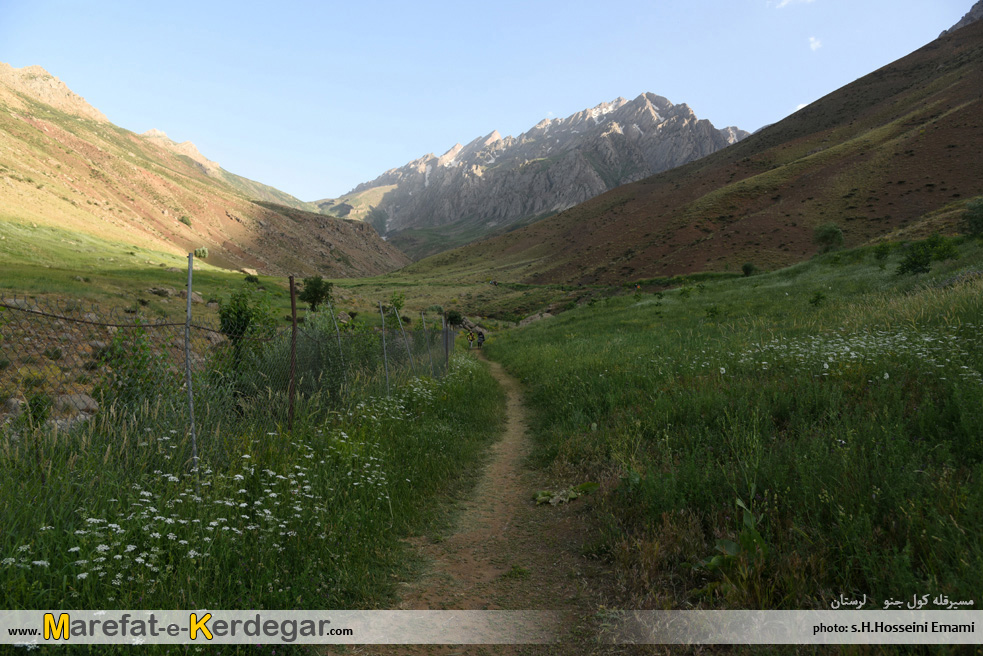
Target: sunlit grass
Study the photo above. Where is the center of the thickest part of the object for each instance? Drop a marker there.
(848, 425)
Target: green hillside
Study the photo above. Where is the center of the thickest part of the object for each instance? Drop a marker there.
(776, 440)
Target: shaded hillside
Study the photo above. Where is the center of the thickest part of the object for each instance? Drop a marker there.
(494, 182)
(65, 165)
(897, 150)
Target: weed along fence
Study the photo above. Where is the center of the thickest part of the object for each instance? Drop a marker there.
(203, 379)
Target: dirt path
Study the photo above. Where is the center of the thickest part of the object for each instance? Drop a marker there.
(505, 552)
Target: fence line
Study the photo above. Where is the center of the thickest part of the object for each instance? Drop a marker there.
(187, 378)
(63, 364)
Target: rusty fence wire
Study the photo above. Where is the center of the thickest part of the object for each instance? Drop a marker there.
(66, 365)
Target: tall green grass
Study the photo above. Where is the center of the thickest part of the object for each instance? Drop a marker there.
(778, 440)
(110, 515)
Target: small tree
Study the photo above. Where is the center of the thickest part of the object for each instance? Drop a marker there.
(397, 301)
(316, 291)
(201, 253)
(828, 236)
(918, 259)
(455, 318)
(748, 269)
(246, 314)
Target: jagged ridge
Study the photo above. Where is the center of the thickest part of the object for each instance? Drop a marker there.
(496, 181)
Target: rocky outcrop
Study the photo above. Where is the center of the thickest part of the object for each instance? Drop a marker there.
(39, 84)
(495, 181)
(975, 13)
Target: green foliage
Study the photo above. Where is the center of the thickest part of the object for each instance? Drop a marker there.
(917, 259)
(396, 301)
(943, 248)
(812, 419)
(186, 221)
(110, 516)
(53, 353)
(454, 318)
(201, 253)
(250, 278)
(828, 236)
(38, 409)
(247, 317)
(134, 370)
(920, 254)
(316, 292)
(881, 253)
(973, 219)
(748, 269)
(817, 299)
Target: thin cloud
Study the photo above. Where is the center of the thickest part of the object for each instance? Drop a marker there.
(815, 44)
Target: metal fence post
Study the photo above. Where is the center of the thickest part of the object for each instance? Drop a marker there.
(187, 377)
(341, 352)
(405, 341)
(292, 387)
(447, 349)
(426, 337)
(385, 356)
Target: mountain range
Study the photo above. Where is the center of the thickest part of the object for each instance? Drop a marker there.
(894, 154)
(64, 165)
(494, 182)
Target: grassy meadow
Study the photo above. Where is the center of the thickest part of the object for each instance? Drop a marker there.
(112, 516)
(777, 440)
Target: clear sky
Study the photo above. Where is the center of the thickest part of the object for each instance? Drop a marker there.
(316, 97)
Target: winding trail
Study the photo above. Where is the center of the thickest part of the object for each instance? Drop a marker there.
(505, 552)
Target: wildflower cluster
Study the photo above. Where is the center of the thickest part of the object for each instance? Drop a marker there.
(935, 352)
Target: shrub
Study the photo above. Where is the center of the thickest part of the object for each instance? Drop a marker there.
(201, 253)
(942, 248)
(918, 259)
(185, 220)
(455, 318)
(748, 269)
(246, 315)
(316, 291)
(252, 279)
(829, 236)
(817, 299)
(135, 370)
(38, 408)
(397, 301)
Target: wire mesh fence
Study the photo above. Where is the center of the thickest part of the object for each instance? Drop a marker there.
(66, 365)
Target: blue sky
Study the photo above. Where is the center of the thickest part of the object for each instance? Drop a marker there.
(316, 97)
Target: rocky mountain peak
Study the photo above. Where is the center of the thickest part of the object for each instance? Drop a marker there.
(38, 84)
(493, 181)
(974, 14)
